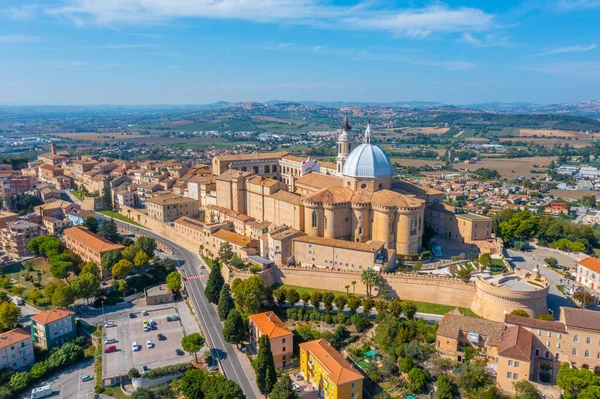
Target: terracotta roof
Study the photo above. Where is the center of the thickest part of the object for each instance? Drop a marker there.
(232, 237)
(263, 181)
(328, 165)
(362, 197)
(57, 204)
(285, 232)
(331, 195)
(189, 222)
(319, 181)
(389, 198)
(249, 157)
(288, 197)
(202, 179)
(170, 199)
(230, 212)
(581, 318)
(516, 343)
(452, 324)
(590, 263)
(269, 324)
(91, 240)
(258, 225)
(12, 337)
(51, 315)
(535, 323)
(48, 167)
(340, 371)
(372, 246)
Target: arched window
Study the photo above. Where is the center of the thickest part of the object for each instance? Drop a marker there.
(587, 353)
(588, 340)
(598, 357)
(274, 168)
(574, 351)
(413, 225)
(380, 186)
(255, 169)
(314, 219)
(267, 169)
(576, 338)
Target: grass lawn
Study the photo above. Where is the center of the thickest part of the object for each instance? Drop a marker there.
(120, 217)
(18, 273)
(434, 308)
(208, 261)
(79, 194)
(302, 290)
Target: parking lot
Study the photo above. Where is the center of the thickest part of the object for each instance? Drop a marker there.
(129, 330)
(306, 390)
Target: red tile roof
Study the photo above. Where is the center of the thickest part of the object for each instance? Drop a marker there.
(52, 315)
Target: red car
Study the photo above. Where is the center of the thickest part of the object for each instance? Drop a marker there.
(110, 349)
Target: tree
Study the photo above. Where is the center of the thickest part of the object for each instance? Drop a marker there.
(395, 307)
(86, 286)
(584, 297)
(353, 304)
(464, 274)
(552, 262)
(519, 312)
(226, 303)
(19, 381)
(305, 296)
(174, 281)
(61, 269)
(249, 295)
(367, 304)
(590, 393)
(588, 201)
(110, 258)
(409, 309)
(63, 296)
(42, 244)
(414, 351)
(91, 223)
(474, 375)
(573, 381)
(328, 299)
(266, 375)
(417, 380)
(446, 389)
(236, 262)
(143, 393)
(292, 296)
(369, 278)
(360, 322)
(34, 296)
(406, 364)
(526, 390)
(214, 284)
(340, 302)
(485, 260)
(280, 295)
(225, 252)
(192, 343)
(146, 244)
(107, 199)
(9, 315)
(90, 268)
(141, 259)
(133, 373)
(122, 269)
(417, 266)
(233, 328)
(315, 299)
(130, 252)
(108, 230)
(283, 389)
(191, 383)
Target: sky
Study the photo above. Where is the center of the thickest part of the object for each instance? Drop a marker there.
(72, 52)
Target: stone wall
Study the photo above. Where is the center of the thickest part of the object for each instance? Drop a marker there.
(147, 382)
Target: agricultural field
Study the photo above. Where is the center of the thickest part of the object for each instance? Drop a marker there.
(93, 136)
(572, 194)
(550, 142)
(510, 168)
(551, 133)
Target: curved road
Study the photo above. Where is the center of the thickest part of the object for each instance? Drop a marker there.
(234, 368)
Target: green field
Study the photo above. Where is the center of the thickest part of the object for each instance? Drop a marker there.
(18, 273)
(302, 290)
(120, 217)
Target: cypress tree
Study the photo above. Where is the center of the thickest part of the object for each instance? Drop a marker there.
(225, 302)
(214, 284)
(266, 376)
(233, 328)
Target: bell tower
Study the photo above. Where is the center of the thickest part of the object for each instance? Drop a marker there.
(344, 146)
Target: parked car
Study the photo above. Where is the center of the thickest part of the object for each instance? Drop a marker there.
(151, 322)
(161, 337)
(153, 327)
(213, 367)
(87, 378)
(179, 352)
(174, 317)
(297, 376)
(110, 341)
(110, 324)
(145, 369)
(149, 344)
(169, 318)
(110, 349)
(145, 323)
(135, 347)
(296, 387)
(132, 315)
(144, 313)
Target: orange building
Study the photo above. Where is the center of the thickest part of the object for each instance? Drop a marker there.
(89, 246)
(280, 337)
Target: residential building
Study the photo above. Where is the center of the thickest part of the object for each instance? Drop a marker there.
(78, 216)
(53, 328)
(16, 350)
(583, 343)
(89, 246)
(588, 274)
(158, 294)
(5, 217)
(167, 208)
(16, 235)
(280, 337)
(514, 357)
(56, 209)
(56, 226)
(456, 224)
(332, 376)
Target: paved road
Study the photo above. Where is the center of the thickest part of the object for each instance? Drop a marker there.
(68, 385)
(233, 367)
(555, 298)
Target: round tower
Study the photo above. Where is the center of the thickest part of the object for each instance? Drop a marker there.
(344, 146)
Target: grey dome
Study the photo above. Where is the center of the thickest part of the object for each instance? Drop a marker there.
(368, 160)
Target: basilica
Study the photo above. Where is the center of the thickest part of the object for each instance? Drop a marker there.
(357, 200)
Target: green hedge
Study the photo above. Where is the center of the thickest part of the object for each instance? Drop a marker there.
(167, 370)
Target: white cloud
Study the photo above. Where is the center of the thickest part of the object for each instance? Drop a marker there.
(576, 70)
(489, 40)
(413, 22)
(18, 39)
(570, 49)
(129, 46)
(23, 12)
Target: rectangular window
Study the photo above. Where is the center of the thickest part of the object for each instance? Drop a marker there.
(510, 362)
(549, 334)
(516, 364)
(509, 375)
(515, 376)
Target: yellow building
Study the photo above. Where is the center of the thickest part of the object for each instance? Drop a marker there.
(168, 208)
(329, 372)
(458, 225)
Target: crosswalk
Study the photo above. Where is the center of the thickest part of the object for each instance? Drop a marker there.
(194, 277)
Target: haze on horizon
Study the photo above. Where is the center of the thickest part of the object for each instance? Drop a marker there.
(71, 52)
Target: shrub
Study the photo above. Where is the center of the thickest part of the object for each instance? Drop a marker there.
(133, 373)
(167, 370)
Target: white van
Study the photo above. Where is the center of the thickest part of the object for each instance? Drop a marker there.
(16, 300)
(41, 392)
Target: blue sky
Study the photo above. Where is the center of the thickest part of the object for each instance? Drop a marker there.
(201, 51)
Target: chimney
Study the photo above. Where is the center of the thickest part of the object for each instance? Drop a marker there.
(53, 148)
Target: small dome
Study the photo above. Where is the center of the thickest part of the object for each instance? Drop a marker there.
(368, 160)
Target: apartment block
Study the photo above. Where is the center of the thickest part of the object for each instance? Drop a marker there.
(280, 337)
(16, 349)
(167, 208)
(89, 246)
(17, 234)
(53, 328)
